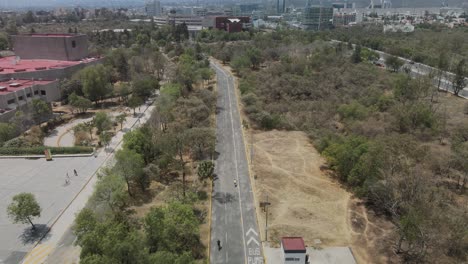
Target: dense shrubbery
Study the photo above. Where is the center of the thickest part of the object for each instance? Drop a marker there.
(424, 45)
(12, 151)
(379, 131)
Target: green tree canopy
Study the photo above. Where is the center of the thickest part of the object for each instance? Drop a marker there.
(79, 102)
(41, 110)
(130, 166)
(23, 208)
(7, 132)
(96, 82)
(134, 102)
(102, 121)
(205, 170)
(394, 63)
(144, 86)
(173, 228)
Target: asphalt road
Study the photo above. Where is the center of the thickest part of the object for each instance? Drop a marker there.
(233, 210)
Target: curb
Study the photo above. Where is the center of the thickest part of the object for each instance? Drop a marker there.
(53, 156)
(209, 224)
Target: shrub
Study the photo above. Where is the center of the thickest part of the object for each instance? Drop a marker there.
(12, 151)
(249, 99)
(202, 195)
(354, 110)
(17, 143)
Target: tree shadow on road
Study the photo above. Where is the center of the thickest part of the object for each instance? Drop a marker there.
(218, 109)
(30, 235)
(224, 198)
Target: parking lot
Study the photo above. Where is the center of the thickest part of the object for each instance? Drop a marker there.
(46, 180)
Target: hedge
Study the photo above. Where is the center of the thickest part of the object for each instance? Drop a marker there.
(11, 151)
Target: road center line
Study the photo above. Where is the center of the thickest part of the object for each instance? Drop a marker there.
(236, 162)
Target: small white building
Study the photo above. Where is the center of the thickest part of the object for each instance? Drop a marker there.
(293, 250)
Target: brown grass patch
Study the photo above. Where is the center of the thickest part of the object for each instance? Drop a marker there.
(307, 202)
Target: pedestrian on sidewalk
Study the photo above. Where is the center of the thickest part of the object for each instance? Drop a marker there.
(76, 173)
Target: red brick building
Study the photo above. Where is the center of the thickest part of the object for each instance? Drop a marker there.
(229, 24)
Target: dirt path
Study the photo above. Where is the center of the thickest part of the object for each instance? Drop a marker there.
(307, 202)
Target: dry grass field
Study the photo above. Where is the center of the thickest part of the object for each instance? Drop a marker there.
(307, 202)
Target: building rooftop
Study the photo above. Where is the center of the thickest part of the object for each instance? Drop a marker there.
(50, 35)
(11, 86)
(11, 64)
(293, 244)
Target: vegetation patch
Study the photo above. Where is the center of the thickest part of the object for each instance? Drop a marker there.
(13, 151)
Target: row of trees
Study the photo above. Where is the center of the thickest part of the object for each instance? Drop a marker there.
(378, 131)
(36, 112)
(177, 135)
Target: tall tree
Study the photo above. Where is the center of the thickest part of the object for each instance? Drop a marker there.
(96, 82)
(41, 110)
(79, 102)
(121, 119)
(459, 81)
(442, 67)
(23, 208)
(394, 63)
(102, 121)
(356, 57)
(134, 102)
(110, 190)
(130, 165)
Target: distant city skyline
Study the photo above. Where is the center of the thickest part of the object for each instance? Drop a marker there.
(24, 4)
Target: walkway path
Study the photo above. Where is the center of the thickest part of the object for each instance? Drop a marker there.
(62, 136)
(59, 241)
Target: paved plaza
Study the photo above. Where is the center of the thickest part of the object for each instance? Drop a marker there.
(46, 180)
(59, 201)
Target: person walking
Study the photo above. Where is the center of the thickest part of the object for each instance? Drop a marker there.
(219, 245)
(76, 173)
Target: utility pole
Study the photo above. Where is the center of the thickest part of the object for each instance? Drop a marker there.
(265, 205)
(251, 148)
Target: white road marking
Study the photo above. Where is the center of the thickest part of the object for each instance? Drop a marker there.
(252, 239)
(251, 230)
(235, 160)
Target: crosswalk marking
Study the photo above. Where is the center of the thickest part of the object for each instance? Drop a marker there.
(38, 255)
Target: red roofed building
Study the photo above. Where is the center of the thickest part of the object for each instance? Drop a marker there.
(293, 250)
(16, 94)
(18, 68)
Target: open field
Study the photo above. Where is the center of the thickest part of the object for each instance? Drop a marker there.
(307, 202)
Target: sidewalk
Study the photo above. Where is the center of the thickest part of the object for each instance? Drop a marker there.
(64, 221)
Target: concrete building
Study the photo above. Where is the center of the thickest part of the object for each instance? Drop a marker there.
(344, 19)
(229, 24)
(405, 28)
(16, 94)
(177, 19)
(153, 8)
(293, 250)
(65, 47)
(317, 17)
